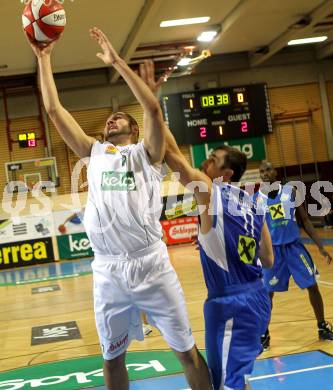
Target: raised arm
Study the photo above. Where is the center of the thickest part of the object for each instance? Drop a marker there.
(68, 128)
(155, 131)
(201, 184)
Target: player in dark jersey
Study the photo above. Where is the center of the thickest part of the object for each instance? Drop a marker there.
(291, 256)
(232, 237)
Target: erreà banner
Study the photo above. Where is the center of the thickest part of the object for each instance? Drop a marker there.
(24, 253)
(73, 246)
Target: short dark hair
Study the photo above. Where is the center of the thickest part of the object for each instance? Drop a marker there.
(235, 160)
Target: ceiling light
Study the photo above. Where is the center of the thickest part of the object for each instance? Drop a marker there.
(304, 41)
(184, 61)
(184, 22)
(207, 36)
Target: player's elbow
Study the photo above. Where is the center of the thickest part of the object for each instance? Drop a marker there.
(53, 109)
(156, 150)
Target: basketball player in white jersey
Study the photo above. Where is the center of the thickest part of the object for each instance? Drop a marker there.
(131, 269)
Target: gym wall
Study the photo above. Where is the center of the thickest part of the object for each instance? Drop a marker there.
(293, 88)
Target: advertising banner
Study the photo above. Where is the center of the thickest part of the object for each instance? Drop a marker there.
(179, 219)
(74, 246)
(72, 239)
(68, 222)
(178, 206)
(253, 148)
(180, 231)
(26, 228)
(25, 253)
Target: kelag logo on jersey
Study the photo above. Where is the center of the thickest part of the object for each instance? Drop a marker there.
(118, 181)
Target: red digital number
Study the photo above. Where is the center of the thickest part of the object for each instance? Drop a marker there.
(203, 132)
(244, 127)
(31, 143)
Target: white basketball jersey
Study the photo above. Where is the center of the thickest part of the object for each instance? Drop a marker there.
(124, 201)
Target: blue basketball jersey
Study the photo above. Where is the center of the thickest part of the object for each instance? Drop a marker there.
(229, 251)
(281, 215)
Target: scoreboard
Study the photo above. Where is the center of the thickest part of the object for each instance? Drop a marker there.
(27, 140)
(218, 114)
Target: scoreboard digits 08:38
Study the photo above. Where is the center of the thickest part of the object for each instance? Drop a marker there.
(218, 114)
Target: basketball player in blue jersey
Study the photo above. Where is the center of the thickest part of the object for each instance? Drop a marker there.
(291, 257)
(232, 237)
(131, 267)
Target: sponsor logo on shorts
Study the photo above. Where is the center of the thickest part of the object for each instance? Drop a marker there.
(274, 281)
(118, 344)
(118, 181)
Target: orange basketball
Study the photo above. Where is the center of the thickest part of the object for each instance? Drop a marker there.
(44, 20)
(62, 229)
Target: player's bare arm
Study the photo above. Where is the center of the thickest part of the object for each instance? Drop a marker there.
(154, 138)
(202, 191)
(174, 157)
(68, 128)
(304, 219)
(266, 254)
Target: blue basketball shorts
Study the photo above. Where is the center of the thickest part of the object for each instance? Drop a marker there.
(234, 324)
(290, 260)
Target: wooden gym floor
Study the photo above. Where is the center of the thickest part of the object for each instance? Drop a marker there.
(293, 326)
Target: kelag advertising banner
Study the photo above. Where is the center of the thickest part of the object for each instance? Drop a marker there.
(253, 148)
(74, 246)
(25, 253)
(72, 240)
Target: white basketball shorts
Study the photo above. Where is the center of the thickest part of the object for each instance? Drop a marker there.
(125, 286)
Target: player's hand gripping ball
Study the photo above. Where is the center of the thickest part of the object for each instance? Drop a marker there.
(44, 20)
